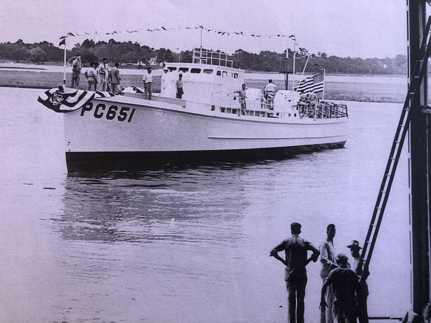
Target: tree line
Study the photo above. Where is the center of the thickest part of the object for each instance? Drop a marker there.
(265, 61)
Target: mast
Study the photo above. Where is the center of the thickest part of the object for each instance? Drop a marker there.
(293, 37)
(286, 84)
(64, 63)
(201, 46)
(294, 59)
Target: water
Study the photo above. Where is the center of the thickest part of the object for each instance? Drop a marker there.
(188, 245)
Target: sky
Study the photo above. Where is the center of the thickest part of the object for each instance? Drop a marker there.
(346, 28)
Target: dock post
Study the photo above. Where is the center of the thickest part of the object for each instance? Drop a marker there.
(419, 148)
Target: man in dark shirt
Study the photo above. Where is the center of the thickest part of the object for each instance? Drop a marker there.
(345, 284)
(296, 250)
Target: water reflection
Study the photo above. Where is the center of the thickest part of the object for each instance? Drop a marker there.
(188, 205)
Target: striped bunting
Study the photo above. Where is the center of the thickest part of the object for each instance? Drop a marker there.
(312, 84)
(66, 100)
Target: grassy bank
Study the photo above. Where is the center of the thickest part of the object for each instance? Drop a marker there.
(345, 91)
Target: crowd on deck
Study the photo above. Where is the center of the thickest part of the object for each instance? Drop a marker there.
(100, 77)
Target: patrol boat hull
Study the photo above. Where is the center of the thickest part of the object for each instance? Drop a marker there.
(132, 133)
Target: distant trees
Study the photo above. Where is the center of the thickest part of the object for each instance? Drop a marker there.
(266, 61)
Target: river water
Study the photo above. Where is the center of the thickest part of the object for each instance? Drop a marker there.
(187, 245)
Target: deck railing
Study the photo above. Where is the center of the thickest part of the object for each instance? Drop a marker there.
(205, 56)
(321, 110)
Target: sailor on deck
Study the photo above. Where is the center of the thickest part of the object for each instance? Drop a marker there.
(103, 71)
(76, 71)
(270, 90)
(148, 82)
(242, 95)
(179, 84)
(269, 94)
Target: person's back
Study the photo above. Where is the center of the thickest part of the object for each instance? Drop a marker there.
(296, 252)
(345, 282)
(76, 71)
(76, 65)
(270, 88)
(114, 78)
(295, 249)
(115, 75)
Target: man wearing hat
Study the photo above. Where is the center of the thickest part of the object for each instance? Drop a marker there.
(296, 249)
(345, 284)
(362, 293)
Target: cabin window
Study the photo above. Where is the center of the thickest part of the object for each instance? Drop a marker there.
(224, 74)
(235, 75)
(172, 69)
(195, 70)
(222, 109)
(218, 73)
(207, 71)
(213, 108)
(184, 69)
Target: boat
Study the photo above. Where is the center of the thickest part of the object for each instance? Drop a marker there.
(207, 125)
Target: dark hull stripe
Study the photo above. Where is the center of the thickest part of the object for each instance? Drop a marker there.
(135, 161)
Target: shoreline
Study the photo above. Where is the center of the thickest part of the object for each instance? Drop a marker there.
(341, 88)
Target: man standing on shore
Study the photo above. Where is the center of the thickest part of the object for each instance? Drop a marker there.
(295, 249)
(345, 283)
(362, 292)
(76, 71)
(327, 259)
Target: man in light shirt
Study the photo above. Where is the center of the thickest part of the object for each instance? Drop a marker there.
(327, 259)
(148, 82)
(270, 90)
(76, 71)
(103, 71)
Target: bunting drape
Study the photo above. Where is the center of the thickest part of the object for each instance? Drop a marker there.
(219, 32)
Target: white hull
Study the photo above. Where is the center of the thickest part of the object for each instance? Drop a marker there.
(163, 126)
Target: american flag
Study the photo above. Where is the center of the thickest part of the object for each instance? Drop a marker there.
(311, 84)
